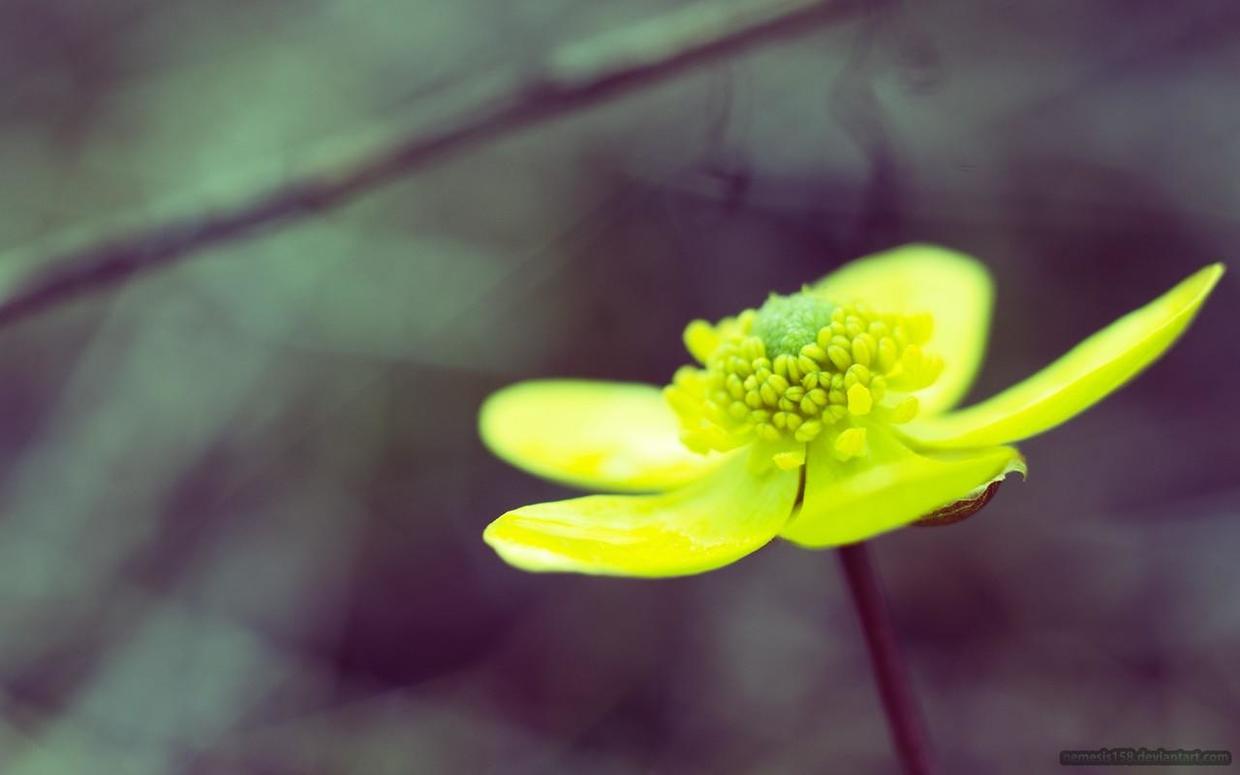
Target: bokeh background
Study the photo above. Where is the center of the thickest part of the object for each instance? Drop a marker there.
(241, 500)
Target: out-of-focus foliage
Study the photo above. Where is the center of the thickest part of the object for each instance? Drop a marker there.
(242, 499)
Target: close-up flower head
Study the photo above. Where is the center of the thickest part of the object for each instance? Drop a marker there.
(823, 417)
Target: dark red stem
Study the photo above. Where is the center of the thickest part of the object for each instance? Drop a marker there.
(904, 719)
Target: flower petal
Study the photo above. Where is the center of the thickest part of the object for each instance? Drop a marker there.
(849, 502)
(703, 526)
(1085, 375)
(595, 435)
(951, 286)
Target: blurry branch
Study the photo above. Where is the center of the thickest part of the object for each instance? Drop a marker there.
(570, 78)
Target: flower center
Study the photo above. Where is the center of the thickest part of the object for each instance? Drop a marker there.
(798, 367)
(785, 324)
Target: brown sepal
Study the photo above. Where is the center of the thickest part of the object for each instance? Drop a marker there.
(960, 510)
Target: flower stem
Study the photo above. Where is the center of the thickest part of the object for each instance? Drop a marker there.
(904, 719)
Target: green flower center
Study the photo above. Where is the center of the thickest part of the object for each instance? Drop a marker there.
(785, 324)
(799, 366)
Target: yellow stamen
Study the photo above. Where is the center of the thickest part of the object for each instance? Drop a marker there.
(904, 411)
(799, 365)
(860, 402)
(850, 443)
(790, 459)
(701, 339)
(808, 431)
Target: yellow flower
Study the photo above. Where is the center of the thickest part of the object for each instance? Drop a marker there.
(822, 418)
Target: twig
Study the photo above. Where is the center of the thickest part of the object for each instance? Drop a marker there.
(571, 78)
(908, 729)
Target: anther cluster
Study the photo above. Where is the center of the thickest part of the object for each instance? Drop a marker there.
(800, 367)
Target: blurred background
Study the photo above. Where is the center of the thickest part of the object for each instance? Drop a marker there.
(241, 500)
